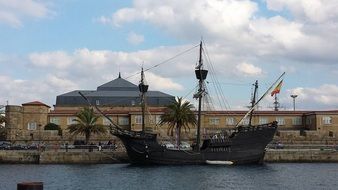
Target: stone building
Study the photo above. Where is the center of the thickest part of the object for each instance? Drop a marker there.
(296, 125)
(26, 122)
(119, 100)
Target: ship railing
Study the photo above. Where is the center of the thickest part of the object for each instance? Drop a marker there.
(225, 133)
(118, 131)
(303, 147)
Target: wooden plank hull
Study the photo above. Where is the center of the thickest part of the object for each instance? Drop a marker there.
(244, 146)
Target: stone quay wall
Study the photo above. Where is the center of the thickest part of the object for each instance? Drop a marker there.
(97, 157)
(18, 157)
(301, 155)
(52, 157)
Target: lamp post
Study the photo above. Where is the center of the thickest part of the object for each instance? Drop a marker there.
(294, 96)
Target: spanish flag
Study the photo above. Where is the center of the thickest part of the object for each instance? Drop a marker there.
(277, 88)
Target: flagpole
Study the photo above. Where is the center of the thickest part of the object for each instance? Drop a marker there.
(276, 103)
(253, 107)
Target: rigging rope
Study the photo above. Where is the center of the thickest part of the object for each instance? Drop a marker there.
(166, 61)
(218, 90)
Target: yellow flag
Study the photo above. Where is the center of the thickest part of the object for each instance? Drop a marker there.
(277, 89)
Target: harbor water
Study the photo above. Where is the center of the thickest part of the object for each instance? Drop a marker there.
(124, 176)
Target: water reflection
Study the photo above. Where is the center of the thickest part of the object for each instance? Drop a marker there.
(124, 176)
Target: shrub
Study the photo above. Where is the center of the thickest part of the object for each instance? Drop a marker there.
(53, 126)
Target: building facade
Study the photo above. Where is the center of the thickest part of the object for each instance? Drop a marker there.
(119, 100)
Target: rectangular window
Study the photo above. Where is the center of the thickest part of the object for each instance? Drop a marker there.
(106, 121)
(31, 126)
(155, 119)
(327, 120)
(71, 120)
(263, 120)
(123, 120)
(158, 119)
(97, 102)
(230, 121)
(246, 121)
(308, 121)
(54, 120)
(297, 121)
(280, 120)
(138, 119)
(214, 121)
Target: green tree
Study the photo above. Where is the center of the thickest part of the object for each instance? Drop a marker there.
(2, 119)
(86, 124)
(53, 126)
(2, 128)
(178, 115)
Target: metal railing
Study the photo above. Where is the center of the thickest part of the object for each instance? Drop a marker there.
(61, 148)
(333, 147)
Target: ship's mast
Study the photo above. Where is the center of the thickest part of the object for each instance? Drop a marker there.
(253, 102)
(276, 103)
(201, 75)
(261, 98)
(143, 89)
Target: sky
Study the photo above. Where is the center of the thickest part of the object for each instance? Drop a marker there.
(51, 47)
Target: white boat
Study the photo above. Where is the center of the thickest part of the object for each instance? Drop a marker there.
(219, 162)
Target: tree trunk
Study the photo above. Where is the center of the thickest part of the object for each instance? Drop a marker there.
(178, 136)
(87, 137)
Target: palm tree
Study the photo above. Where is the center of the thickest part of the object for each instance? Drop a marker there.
(178, 115)
(86, 124)
(2, 119)
(2, 128)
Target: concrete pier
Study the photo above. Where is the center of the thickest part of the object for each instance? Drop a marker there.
(52, 157)
(19, 157)
(301, 155)
(111, 157)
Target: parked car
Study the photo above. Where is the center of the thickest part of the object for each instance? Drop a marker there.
(4, 145)
(80, 144)
(168, 145)
(185, 146)
(279, 145)
(69, 146)
(19, 147)
(275, 145)
(33, 146)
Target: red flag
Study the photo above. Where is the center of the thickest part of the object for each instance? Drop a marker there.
(277, 88)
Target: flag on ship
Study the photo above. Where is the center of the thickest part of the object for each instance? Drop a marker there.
(277, 88)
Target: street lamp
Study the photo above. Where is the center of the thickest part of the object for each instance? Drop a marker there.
(294, 96)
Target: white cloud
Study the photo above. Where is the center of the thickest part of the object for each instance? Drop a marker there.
(325, 96)
(18, 91)
(162, 83)
(86, 69)
(212, 16)
(13, 12)
(248, 69)
(103, 20)
(56, 82)
(288, 69)
(234, 24)
(317, 11)
(235, 31)
(91, 58)
(10, 19)
(277, 30)
(57, 59)
(135, 39)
